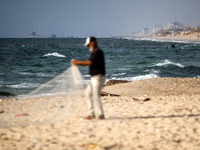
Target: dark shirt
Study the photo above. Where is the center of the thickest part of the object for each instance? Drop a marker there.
(98, 63)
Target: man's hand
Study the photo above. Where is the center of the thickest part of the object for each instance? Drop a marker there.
(74, 62)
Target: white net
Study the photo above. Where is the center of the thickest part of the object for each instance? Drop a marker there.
(69, 81)
(53, 101)
(58, 100)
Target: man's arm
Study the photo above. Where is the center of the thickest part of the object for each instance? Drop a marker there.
(82, 63)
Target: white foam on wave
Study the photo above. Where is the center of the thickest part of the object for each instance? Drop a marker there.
(168, 62)
(54, 54)
(87, 75)
(153, 71)
(23, 85)
(168, 40)
(44, 75)
(140, 77)
(118, 74)
(124, 69)
(25, 73)
(37, 74)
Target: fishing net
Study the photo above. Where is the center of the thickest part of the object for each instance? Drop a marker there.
(69, 81)
(59, 99)
(52, 101)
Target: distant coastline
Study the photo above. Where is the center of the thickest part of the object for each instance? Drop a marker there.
(173, 31)
(185, 38)
(190, 35)
(177, 38)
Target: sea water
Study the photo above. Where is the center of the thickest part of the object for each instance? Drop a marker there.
(25, 64)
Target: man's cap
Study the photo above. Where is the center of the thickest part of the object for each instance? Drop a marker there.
(90, 39)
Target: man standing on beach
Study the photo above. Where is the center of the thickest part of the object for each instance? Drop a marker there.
(97, 71)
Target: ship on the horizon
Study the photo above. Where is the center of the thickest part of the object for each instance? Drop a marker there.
(34, 35)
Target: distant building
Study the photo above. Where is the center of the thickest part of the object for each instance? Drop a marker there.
(198, 28)
(157, 28)
(145, 31)
(174, 25)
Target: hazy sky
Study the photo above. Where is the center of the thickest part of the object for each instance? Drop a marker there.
(18, 18)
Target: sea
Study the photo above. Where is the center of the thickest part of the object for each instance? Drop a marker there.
(26, 64)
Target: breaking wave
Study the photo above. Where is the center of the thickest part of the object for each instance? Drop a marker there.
(54, 54)
(168, 62)
(167, 40)
(118, 74)
(140, 77)
(21, 85)
(36, 74)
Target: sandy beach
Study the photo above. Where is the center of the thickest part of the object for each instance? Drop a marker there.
(150, 114)
(190, 38)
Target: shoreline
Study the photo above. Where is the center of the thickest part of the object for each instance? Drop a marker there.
(177, 39)
(156, 113)
(191, 38)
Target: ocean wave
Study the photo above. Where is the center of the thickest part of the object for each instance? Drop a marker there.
(124, 68)
(21, 85)
(168, 40)
(153, 71)
(190, 47)
(1, 74)
(54, 54)
(44, 75)
(87, 75)
(26, 73)
(168, 62)
(36, 74)
(140, 77)
(118, 74)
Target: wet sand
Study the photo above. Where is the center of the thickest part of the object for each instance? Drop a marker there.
(158, 113)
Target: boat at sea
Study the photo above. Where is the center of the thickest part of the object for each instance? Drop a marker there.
(34, 35)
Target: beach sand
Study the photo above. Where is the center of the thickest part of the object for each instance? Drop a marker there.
(151, 114)
(190, 38)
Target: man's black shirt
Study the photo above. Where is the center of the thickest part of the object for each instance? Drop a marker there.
(98, 63)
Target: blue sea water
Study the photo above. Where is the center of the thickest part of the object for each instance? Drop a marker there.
(25, 64)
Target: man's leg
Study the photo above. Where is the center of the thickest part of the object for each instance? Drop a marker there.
(88, 94)
(97, 84)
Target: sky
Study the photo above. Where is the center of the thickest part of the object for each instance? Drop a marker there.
(82, 18)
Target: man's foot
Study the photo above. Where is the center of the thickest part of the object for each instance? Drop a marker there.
(101, 117)
(89, 117)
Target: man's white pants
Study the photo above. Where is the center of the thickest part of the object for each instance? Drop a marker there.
(93, 91)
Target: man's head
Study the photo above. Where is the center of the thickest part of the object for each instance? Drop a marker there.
(91, 43)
